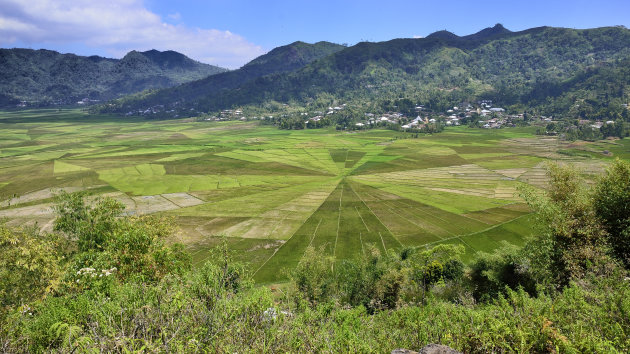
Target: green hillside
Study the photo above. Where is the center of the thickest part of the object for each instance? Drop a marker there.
(280, 60)
(442, 69)
(45, 76)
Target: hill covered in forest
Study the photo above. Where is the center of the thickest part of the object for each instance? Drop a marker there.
(280, 60)
(45, 76)
(511, 68)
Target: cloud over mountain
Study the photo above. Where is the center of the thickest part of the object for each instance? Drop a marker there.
(118, 26)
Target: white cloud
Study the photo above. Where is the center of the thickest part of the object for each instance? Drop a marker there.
(118, 26)
(176, 16)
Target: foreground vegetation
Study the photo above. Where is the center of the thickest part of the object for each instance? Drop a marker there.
(103, 282)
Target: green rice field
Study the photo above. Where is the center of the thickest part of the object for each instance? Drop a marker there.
(271, 193)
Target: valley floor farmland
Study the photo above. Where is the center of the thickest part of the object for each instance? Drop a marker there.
(271, 193)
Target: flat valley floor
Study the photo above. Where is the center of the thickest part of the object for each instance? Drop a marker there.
(271, 193)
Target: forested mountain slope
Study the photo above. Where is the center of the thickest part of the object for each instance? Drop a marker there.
(280, 60)
(495, 63)
(46, 76)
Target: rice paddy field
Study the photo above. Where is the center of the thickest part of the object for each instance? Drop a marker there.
(271, 193)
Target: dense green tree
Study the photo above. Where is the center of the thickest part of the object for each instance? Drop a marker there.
(375, 280)
(134, 246)
(572, 241)
(90, 225)
(612, 206)
(430, 266)
(44, 77)
(508, 267)
(313, 276)
(31, 265)
(557, 72)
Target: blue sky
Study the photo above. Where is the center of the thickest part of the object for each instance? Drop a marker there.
(231, 32)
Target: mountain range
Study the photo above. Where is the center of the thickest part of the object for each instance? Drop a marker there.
(547, 69)
(523, 68)
(280, 60)
(47, 77)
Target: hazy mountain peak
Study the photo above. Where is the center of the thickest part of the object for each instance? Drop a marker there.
(443, 34)
(489, 32)
(485, 33)
(47, 76)
(295, 54)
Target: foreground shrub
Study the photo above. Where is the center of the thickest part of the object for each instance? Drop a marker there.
(593, 316)
(31, 265)
(612, 206)
(507, 267)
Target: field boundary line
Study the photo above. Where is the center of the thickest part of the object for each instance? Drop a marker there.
(477, 232)
(338, 223)
(364, 224)
(278, 224)
(462, 215)
(367, 157)
(180, 207)
(383, 241)
(321, 163)
(270, 257)
(393, 211)
(315, 232)
(467, 244)
(361, 239)
(376, 216)
(431, 214)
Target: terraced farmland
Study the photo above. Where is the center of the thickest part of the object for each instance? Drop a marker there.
(271, 193)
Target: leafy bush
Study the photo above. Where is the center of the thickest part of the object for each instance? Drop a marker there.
(507, 268)
(612, 206)
(31, 266)
(572, 241)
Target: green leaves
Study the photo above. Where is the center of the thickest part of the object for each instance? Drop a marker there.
(313, 276)
(612, 205)
(91, 225)
(133, 245)
(30, 265)
(578, 225)
(375, 280)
